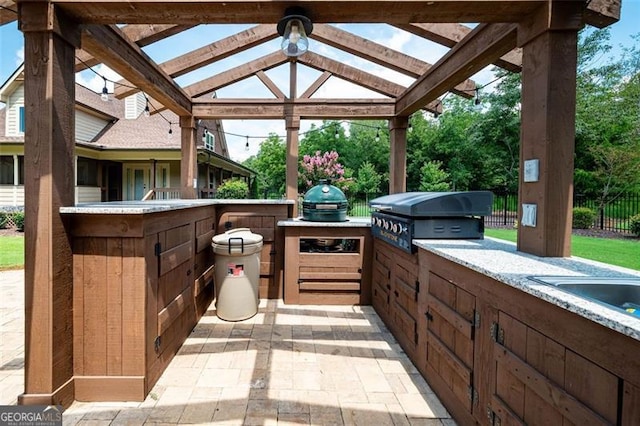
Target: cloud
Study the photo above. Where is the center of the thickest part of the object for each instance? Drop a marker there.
(19, 56)
(95, 81)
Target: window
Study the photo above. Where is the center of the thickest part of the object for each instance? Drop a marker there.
(209, 141)
(87, 172)
(6, 169)
(21, 120)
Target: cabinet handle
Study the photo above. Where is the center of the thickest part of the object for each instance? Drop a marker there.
(429, 316)
(396, 293)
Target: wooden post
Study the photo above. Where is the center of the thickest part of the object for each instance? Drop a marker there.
(549, 44)
(398, 155)
(292, 123)
(293, 127)
(189, 160)
(50, 43)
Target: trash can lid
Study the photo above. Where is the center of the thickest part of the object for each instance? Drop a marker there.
(237, 237)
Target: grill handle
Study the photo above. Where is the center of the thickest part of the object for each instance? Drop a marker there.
(381, 207)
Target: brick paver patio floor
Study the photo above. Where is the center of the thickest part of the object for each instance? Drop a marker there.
(288, 365)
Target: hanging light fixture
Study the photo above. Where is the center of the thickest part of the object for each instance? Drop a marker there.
(246, 145)
(294, 28)
(105, 91)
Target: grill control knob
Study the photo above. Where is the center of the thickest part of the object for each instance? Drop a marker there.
(394, 227)
(385, 224)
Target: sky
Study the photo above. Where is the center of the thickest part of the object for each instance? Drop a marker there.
(12, 55)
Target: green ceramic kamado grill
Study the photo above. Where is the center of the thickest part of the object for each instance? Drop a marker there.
(324, 203)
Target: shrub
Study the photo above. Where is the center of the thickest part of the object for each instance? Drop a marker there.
(233, 188)
(634, 225)
(4, 219)
(583, 218)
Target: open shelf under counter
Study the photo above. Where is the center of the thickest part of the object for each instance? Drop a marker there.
(327, 262)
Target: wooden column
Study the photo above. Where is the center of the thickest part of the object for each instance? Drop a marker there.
(398, 155)
(549, 44)
(292, 124)
(50, 43)
(293, 127)
(189, 158)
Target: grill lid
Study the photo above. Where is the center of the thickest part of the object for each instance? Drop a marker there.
(427, 204)
(325, 196)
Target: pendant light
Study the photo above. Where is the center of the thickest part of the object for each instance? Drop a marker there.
(294, 28)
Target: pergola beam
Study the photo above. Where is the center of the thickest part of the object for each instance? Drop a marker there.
(210, 53)
(304, 108)
(142, 35)
(321, 11)
(381, 55)
(451, 34)
(485, 43)
(109, 45)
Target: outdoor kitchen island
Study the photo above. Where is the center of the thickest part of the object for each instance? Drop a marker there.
(142, 278)
(500, 348)
(328, 263)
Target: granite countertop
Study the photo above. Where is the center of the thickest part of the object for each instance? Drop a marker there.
(155, 206)
(500, 260)
(351, 222)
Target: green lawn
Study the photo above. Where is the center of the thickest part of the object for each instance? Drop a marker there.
(11, 252)
(624, 253)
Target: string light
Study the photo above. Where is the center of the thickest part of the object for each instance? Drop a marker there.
(246, 145)
(147, 112)
(170, 130)
(105, 91)
(378, 135)
(336, 134)
(477, 100)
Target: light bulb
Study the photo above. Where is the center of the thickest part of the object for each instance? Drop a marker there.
(105, 93)
(147, 113)
(378, 135)
(294, 40)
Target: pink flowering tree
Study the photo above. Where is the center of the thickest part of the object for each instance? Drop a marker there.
(322, 166)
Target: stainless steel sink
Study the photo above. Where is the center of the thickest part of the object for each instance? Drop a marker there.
(618, 292)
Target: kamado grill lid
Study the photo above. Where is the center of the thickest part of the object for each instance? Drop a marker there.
(324, 194)
(324, 203)
(426, 204)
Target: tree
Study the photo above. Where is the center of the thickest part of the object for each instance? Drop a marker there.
(433, 177)
(270, 165)
(368, 182)
(319, 166)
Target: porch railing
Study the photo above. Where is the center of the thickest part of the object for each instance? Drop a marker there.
(162, 194)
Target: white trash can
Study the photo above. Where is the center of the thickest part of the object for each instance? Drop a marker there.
(237, 260)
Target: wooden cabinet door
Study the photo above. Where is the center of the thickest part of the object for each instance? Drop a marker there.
(540, 382)
(450, 338)
(381, 280)
(404, 300)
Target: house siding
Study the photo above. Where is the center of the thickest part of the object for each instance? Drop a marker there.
(11, 195)
(87, 194)
(15, 101)
(88, 126)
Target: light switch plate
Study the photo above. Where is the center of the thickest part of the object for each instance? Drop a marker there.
(529, 213)
(531, 170)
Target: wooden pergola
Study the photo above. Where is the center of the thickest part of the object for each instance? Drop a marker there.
(538, 37)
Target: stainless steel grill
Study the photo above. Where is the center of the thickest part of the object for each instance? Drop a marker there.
(400, 218)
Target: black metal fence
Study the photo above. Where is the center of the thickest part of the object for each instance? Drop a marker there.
(615, 216)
